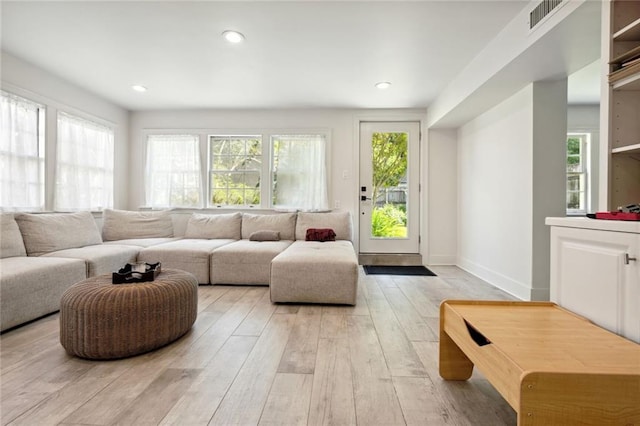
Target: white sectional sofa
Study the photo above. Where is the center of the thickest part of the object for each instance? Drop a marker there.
(43, 254)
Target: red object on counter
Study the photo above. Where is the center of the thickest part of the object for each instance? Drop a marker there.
(617, 216)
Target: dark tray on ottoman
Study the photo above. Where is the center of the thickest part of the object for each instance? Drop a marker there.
(128, 274)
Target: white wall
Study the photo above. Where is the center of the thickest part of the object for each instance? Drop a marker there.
(549, 166)
(31, 82)
(442, 197)
(494, 194)
(511, 173)
(343, 124)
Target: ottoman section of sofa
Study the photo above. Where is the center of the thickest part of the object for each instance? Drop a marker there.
(101, 258)
(191, 255)
(31, 287)
(245, 262)
(315, 272)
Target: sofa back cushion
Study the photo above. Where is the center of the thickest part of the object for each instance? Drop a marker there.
(44, 233)
(123, 225)
(211, 226)
(340, 222)
(284, 223)
(11, 244)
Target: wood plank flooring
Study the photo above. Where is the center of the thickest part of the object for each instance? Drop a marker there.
(249, 362)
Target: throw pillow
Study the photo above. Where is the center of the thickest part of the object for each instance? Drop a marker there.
(320, 234)
(48, 232)
(339, 221)
(211, 226)
(123, 225)
(265, 236)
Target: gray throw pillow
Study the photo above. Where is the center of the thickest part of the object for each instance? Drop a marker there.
(265, 236)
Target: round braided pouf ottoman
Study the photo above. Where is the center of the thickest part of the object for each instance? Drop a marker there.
(101, 320)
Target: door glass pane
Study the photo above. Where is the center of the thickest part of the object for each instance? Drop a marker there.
(389, 197)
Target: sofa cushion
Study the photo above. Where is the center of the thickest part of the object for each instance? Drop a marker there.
(121, 224)
(49, 232)
(284, 223)
(31, 287)
(212, 226)
(11, 243)
(245, 261)
(340, 222)
(315, 272)
(191, 255)
(100, 259)
(142, 242)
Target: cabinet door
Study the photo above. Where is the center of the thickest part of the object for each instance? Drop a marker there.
(590, 276)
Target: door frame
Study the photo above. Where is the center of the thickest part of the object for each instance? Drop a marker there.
(413, 116)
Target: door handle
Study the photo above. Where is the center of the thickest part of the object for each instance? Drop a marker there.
(364, 198)
(628, 259)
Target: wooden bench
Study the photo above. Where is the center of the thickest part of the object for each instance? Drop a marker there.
(552, 366)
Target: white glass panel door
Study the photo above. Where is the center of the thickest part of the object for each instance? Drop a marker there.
(389, 187)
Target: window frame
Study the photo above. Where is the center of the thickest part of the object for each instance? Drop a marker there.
(266, 175)
(194, 134)
(584, 173)
(41, 156)
(98, 123)
(264, 157)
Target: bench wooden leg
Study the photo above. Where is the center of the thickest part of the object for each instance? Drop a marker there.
(454, 364)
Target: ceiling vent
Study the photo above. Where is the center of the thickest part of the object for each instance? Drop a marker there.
(541, 11)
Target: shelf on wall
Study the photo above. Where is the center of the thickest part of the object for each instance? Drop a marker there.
(626, 79)
(629, 149)
(629, 33)
(627, 56)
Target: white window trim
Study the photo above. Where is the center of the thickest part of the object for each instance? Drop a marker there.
(198, 138)
(264, 172)
(41, 157)
(52, 107)
(267, 167)
(98, 124)
(585, 150)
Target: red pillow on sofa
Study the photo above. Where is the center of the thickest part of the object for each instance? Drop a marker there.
(320, 234)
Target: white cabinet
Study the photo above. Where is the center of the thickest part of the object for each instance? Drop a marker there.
(596, 272)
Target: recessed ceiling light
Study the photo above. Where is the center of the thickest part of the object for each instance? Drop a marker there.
(233, 36)
(139, 88)
(383, 85)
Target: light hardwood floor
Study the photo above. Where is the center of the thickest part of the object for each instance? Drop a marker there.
(249, 362)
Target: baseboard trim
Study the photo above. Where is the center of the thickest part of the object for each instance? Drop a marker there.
(390, 259)
(441, 260)
(496, 279)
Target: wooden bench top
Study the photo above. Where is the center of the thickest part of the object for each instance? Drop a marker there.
(545, 337)
(552, 366)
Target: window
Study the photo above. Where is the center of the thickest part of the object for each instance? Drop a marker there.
(84, 168)
(299, 172)
(21, 154)
(173, 171)
(577, 169)
(235, 169)
(268, 169)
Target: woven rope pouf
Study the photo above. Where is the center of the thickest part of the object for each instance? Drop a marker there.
(101, 320)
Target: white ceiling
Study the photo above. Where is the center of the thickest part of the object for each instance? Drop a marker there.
(296, 54)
